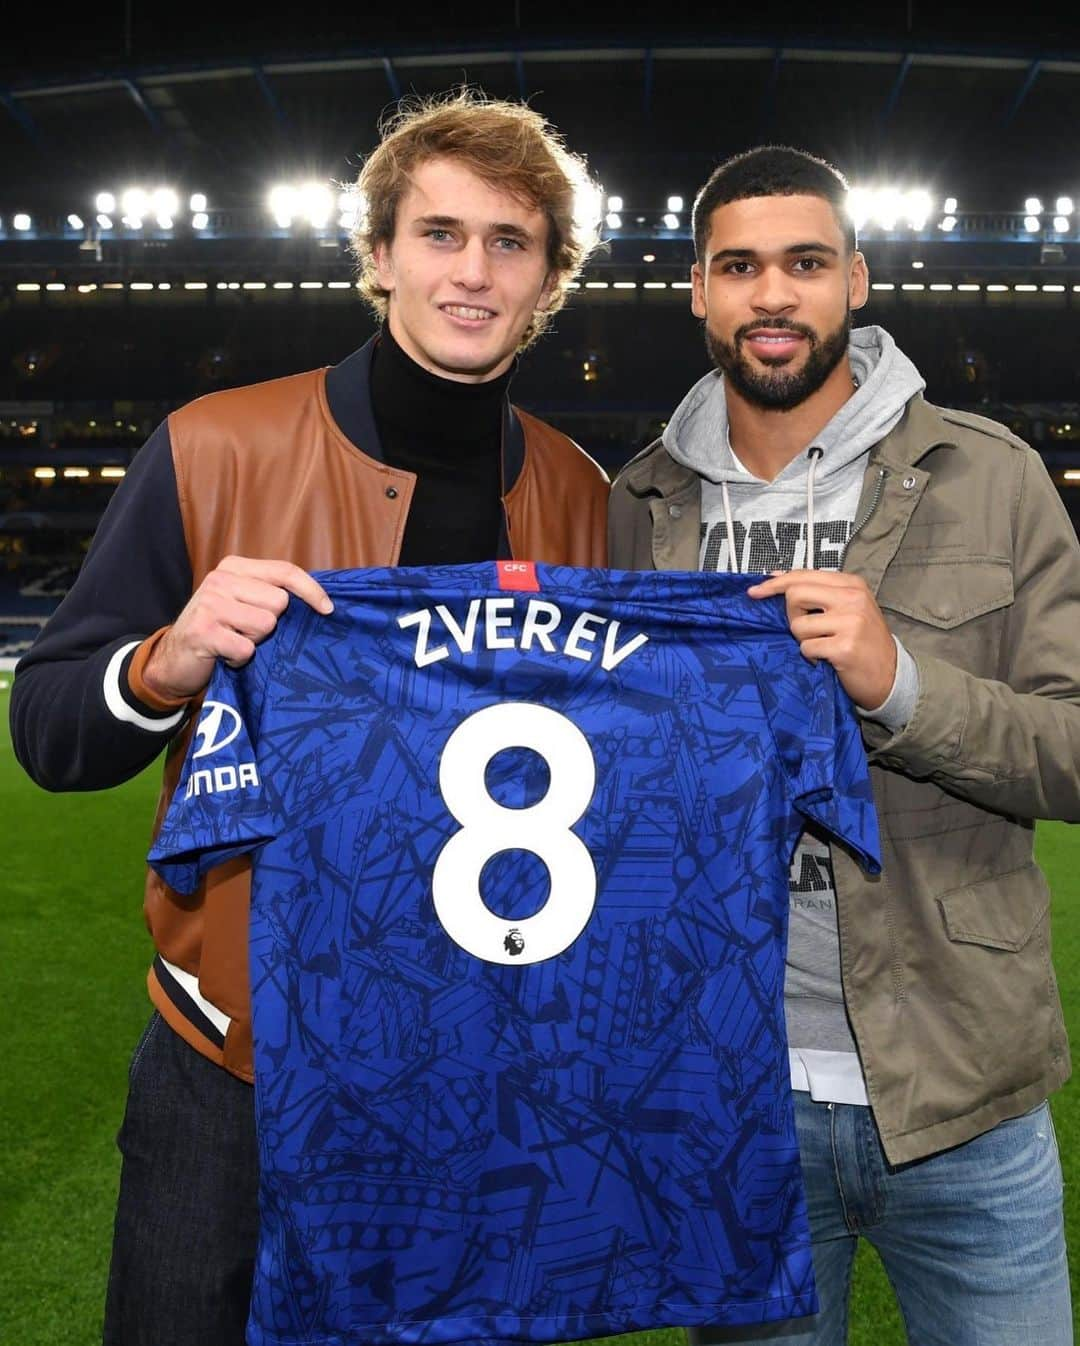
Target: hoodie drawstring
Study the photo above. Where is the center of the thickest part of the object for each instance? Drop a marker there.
(729, 519)
(815, 455)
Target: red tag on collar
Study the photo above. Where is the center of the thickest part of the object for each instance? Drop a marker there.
(518, 575)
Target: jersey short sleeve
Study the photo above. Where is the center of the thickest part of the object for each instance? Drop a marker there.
(819, 742)
(223, 805)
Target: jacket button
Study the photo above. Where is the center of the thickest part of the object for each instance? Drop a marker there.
(675, 511)
(391, 493)
(909, 483)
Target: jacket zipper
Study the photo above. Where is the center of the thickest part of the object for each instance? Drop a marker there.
(860, 524)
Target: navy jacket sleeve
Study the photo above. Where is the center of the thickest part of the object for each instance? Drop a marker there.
(75, 724)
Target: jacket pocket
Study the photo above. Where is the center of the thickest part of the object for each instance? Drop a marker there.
(945, 592)
(1002, 912)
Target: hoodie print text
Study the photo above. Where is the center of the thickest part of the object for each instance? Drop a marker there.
(766, 544)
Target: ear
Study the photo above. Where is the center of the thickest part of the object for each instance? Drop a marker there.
(697, 284)
(384, 266)
(858, 281)
(548, 292)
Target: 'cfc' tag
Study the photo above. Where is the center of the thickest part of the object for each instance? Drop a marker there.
(518, 575)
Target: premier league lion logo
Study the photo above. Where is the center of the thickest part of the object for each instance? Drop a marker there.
(514, 943)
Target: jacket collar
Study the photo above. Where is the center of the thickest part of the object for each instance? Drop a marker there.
(922, 428)
(348, 395)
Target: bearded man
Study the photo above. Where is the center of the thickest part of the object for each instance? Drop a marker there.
(925, 554)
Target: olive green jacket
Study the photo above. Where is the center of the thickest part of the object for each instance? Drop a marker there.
(945, 958)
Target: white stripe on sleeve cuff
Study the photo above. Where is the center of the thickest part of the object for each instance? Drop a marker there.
(119, 708)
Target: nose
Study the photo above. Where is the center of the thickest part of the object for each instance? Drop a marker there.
(774, 291)
(472, 265)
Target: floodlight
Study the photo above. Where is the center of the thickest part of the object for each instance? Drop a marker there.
(613, 220)
(860, 206)
(950, 205)
(1061, 224)
(1033, 206)
(350, 203)
(1064, 205)
(671, 221)
(917, 207)
(283, 204)
(674, 204)
(165, 202)
(200, 220)
(316, 203)
(615, 203)
(948, 224)
(164, 222)
(198, 202)
(22, 222)
(1031, 224)
(888, 204)
(588, 206)
(76, 221)
(105, 202)
(131, 221)
(135, 203)
(104, 222)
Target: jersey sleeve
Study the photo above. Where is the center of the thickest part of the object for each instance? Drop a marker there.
(818, 737)
(223, 806)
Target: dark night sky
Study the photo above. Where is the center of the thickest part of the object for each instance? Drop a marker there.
(39, 45)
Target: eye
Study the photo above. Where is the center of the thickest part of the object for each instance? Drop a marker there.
(508, 244)
(808, 264)
(738, 268)
(437, 235)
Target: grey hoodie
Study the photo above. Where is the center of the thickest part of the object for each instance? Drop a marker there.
(769, 523)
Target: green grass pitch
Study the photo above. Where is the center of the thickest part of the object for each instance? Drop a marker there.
(73, 954)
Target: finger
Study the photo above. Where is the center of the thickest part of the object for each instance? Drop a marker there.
(819, 648)
(210, 630)
(236, 650)
(283, 574)
(784, 581)
(813, 626)
(779, 581)
(225, 587)
(245, 619)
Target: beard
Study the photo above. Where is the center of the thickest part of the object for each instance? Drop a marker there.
(775, 388)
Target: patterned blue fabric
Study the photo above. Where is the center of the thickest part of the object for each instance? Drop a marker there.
(517, 948)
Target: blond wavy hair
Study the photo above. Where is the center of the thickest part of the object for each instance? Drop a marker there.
(509, 147)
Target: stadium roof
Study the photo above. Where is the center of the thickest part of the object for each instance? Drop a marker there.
(986, 113)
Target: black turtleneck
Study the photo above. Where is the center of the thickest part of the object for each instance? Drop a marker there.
(450, 435)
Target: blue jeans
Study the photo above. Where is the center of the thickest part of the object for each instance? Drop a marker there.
(972, 1239)
(187, 1215)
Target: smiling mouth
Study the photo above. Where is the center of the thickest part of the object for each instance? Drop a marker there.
(775, 335)
(468, 313)
(774, 346)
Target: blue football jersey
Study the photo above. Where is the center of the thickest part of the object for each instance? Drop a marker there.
(521, 841)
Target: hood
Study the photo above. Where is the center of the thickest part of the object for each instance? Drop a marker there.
(697, 434)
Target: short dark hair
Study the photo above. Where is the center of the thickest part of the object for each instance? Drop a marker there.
(771, 170)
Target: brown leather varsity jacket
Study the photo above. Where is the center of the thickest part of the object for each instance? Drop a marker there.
(266, 471)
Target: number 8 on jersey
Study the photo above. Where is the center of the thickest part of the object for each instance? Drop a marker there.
(487, 828)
